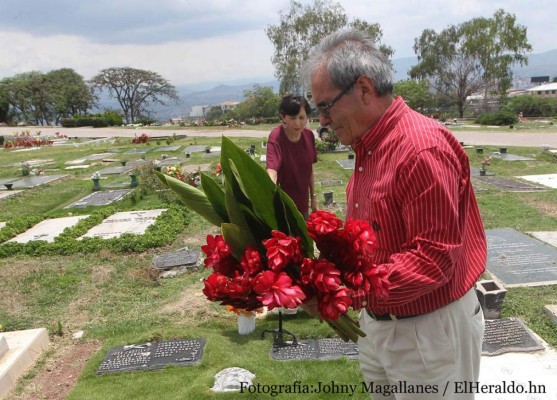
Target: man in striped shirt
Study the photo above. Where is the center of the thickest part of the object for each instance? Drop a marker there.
(411, 182)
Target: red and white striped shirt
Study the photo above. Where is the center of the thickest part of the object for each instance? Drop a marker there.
(412, 183)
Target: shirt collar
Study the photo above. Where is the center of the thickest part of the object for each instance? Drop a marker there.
(386, 123)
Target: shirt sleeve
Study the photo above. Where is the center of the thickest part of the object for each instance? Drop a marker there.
(274, 155)
(427, 195)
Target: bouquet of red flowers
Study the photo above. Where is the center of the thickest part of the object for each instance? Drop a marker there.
(265, 254)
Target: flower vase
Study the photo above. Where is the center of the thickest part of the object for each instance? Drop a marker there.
(96, 184)
(482, 172)
(246, 324)
(134, 181)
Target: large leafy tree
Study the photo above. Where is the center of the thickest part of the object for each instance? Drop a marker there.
(134, 89)
(301, 28)
(45, 98)
(260, 102)
(416, 94)
(474, 56)
(70, 94)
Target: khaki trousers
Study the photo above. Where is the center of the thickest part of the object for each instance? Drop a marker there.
(430, 353)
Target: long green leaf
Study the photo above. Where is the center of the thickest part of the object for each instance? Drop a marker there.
(254, 181)
(237, 238)
(193, 198)
(215, 195)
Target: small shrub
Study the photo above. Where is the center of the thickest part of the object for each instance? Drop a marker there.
(499, 119)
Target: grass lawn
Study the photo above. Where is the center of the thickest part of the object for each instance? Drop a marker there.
(116, 300)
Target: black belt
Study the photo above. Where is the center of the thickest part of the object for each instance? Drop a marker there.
(387, 317)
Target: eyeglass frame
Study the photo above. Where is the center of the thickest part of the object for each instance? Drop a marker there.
(325, 109)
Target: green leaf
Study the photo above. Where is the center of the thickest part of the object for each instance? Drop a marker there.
(215, 195)
(254, 181)
(237, 238)
(193, 198)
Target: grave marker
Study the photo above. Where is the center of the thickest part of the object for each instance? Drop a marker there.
(347, 164)
(167, 148)
(28, 182)
(506, 335)
(179, 258)
(509, 184)
(511, 157)
(549, 237)
(151, 356)
(320, 349)
(101, 198)
(519, 260)
(48, 229)
(549, 180)
(133, 222)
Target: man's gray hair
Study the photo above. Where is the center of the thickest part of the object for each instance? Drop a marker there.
(347, 54)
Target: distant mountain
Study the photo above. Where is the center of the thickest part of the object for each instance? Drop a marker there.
(212, 93)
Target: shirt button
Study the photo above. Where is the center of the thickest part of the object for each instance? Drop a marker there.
(356, 205)
(360, 169)
(369, 153)
(364, 303)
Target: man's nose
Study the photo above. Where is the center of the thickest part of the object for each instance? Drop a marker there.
(324, 120)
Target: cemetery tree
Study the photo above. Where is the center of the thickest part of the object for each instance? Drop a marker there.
(415, 93)
(474, 56)
(260, 102)
(301, 28)
(134, 89)
(70, 94)
(27, 96)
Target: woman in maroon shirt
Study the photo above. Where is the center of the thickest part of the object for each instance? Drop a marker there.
(291, 153)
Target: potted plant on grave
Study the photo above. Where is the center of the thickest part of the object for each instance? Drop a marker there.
(96, 177)
(485, 162)
(25, 168)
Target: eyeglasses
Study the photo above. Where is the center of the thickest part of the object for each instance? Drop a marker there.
(325, 109)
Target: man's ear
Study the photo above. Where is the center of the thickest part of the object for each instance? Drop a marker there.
(367, 88)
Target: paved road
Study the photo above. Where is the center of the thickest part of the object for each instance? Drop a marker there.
(507, 137)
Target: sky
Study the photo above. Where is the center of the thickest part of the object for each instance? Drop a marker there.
(195, 41)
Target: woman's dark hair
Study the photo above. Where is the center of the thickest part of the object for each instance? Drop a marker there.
(291, 105)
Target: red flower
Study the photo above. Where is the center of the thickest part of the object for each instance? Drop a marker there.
(276, 290)
(215, 286)
(377, 281)
(322, 223)
(332, 305)
(282, 250)
(361, 236)
(219, 256)
(251, 261)
(321, 273)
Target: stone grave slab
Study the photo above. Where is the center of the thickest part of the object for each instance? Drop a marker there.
(85, 166)
(172, 161)
(3, 181)
(212, 154)
(97, 156)
(28, 182)
(509, 184)
(2, 224)
(8, 193)
(133, 222)
(508, 335)
(519, 260)
(511, 157)
(151, 356)
(549, 237)
(476, 172)
(101, 198)
(549, 180)
(36, 163)
(167, 148)
(176, 259)
(48, 229)
(320, 349)
(336, 182)
(76, 161)
(116, 170)
(347, 164)
(195, 149)
(188, 169)
(138, 150)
